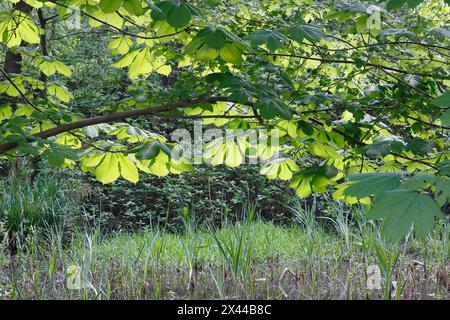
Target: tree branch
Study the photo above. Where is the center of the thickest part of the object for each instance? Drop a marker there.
(113, 117)
(121, 30)
(325, 60)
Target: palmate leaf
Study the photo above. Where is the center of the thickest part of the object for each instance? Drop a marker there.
(161, 10)
(418, 146)
(114, 165)
(148, 151)
(5, 112)
(309, 32)
(443, 100)
(395, 4)
(272, 39)
(442, 191)
(270, 108)
(445, 118)
(419, 181)
(128, 169)
(108, 169)
(133, 7)
(376, 149)
(313, 179)
(280, 168)
(110, 6)
(60, 92)
(215, 38)
(372, 184)
(54, 157)
(210, 43)
(142, 64)
(403, 209)
(231, 54)
(445, 168)
(120, 45)
(223, 151)
(51, 67)
(179, 15)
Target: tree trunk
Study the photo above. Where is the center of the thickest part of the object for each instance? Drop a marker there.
(44, 41)
(42, 93)
(13, 65)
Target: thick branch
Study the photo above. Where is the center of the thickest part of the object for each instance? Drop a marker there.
(114, 117)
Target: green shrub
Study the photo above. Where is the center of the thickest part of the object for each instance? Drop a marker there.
(26, 206)
(212, 195)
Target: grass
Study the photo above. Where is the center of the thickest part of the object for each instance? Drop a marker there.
(26, 208)
(318, 256)
(246, 260)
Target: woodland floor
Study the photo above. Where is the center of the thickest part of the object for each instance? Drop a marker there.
(246, 260)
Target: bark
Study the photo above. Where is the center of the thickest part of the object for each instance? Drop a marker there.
(13, 59)
(41, 93)
(44, 42)
(13, 65)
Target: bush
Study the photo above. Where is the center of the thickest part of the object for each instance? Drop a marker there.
(212, 195)
(26, 206)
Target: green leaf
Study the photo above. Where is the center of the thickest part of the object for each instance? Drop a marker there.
(215, 38)
(273, 39)
(281, 168)
(161, 10)
(306, 127)
(312, 179)
(28, 31)
(443, 100)
(310, 32)
(69, 153)
(110, 6)
(108, 169)
(361, 24)
(418, 146)
(90, 131)
(133, 7)
(442, 191)
(401, 209)
(414, 3)
(5, 112)
(372, 184)
(395, 4)
(128, 169)
(55, 158)
(418, 181)
(206, 54)
(63, 69)
(148, 151)
(60, 92)
(141, 65)
(28, 148)
(270, 108)
(179, 16)
(378, 148)
(445, 168)
(164, 147)
(231, 54)
(445, 118)
(221, 151)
